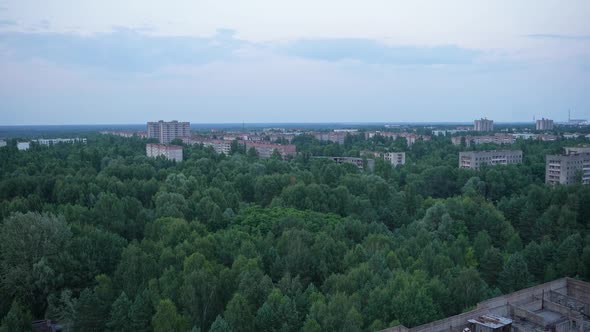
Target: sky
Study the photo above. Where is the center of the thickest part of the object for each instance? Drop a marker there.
(256, 61)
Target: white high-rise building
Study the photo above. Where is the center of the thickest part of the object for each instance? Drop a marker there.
(544, 124)
(165, 132)
(483, 125)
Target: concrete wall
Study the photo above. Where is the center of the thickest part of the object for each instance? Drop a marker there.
(578, 290)
(533, 306)
(453, 323)
(559, 309)
(398, 328)
(527, 315)
(526, 295)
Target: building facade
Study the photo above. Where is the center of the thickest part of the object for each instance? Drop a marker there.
(500, 139)
(483, 125)
(569, 168)
(170, 152)
(265, 150)
(23, 146)
(335, 137)
(165, 132)
(52, 141)
(544, 124)
(220, 146)
(475, 159)
(395, 158)
(358, 162)
(125, 133)
(411, 138)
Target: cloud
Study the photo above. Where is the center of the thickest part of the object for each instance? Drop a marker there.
(125, 50)
(560, 37)
(7, 22)
(371, 51)
(122, 50)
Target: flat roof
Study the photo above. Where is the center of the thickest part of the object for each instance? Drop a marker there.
(491, 320)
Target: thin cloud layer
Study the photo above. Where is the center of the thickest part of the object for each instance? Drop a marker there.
(371, 51)
(131, 75)
(127, 50)
(560, 37)
(122, 50)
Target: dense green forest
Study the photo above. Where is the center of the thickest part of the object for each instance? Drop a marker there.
(101, 238)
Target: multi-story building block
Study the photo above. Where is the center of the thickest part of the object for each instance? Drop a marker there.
(475, 159)
(170, 152)
(165, 132)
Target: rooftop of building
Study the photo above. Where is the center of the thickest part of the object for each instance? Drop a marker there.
(491, 321)
(492, 151)
(165, 146)
(542, 307)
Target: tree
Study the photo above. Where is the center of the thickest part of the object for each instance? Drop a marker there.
(88, 318)
(220, 325)
(277, 313)
(17, 319)
(141, 312)
(467, 288)
(239, 314)
(311, 325)
(252, 153)
(474, 186)
(276, 155)
(32, 247)
(568, 256)
(414, 307)
(167, 319)
(515, 275)
(170, 205)
(481, 244)
(135, 269)
(201, 293)
(535, 260)
(62, 309)
(120, 320)
(109, 213)
(491, 265)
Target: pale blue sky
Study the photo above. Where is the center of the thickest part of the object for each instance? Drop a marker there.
(111, 61)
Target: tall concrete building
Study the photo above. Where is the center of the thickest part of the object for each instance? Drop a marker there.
(170, 152)
(544, 124)
(474, 159)
(165, 132)
(568, 168)
(483, 125)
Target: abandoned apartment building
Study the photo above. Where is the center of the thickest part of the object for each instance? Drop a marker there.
(562, 305)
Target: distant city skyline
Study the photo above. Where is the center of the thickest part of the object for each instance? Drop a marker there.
(264, 61)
